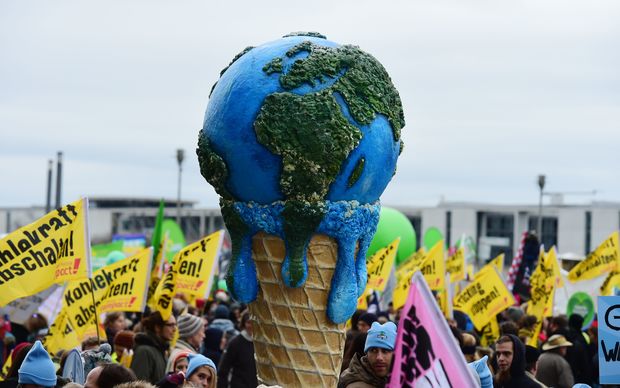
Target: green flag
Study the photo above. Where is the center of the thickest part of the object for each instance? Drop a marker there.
(156, 239)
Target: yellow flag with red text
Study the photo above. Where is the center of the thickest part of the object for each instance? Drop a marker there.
(380, 265)
(196, 265)
(53, 249)
(484, 298)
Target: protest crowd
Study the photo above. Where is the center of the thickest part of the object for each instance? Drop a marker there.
(503, 332)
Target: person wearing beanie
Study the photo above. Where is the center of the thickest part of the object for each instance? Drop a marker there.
(531, 363)
(365, 321)
(481, 369)
(578, 356)
(191, 334)
(372, 369)
(212, 344)
(37, 368)
(222, 321)
(237, 368)
(201, 371)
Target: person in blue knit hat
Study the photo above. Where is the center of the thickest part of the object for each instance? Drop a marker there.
(372, 369)
(37, 369)
(201, 371)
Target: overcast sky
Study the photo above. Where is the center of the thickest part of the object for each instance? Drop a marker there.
(494, 92)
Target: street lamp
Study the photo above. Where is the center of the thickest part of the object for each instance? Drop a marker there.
(180, 157)
(541, 184)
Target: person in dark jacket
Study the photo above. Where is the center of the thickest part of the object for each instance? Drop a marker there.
(149, 359)
(237, 368)
(510, 356)
(212, 344)
(373, 368)
(578, 355)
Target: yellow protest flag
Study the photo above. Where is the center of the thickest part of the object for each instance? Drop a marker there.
(547, 270)
(543, 283)
(434, 268)
(602, 260)
(490, 333)
(484, 298)
(61, 335)
(611, 281)
(166, 290)
(412, 262)
(157, 272)
(540, 307)
(121, 286)
(196, 264)
(403, 282)
(53, 249)
(5, 368)
(455, 265)
(470, 272)
(498, 262)
(380, 265)
(362, 301)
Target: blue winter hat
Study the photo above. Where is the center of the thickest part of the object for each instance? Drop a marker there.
(381, 336)
(482, 369)
(196, 361)
(37, 368)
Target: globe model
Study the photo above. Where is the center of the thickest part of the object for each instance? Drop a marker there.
(301, 117)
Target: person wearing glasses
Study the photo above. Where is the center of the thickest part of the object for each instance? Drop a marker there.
(150, 353)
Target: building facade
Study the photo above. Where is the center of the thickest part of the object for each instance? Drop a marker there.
(574, 229)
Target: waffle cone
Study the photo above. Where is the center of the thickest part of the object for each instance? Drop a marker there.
(295, 344)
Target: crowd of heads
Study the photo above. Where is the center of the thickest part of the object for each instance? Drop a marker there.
(135, 350)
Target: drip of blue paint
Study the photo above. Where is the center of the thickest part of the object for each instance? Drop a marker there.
(351, 224)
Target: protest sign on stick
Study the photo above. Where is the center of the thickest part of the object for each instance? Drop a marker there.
(121, 286)
(426, 353)
(603, 259)
(53, 249)
(380, 265)
(484, 298)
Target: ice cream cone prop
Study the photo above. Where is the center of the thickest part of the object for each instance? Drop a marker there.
(295, 344)
(300, 138)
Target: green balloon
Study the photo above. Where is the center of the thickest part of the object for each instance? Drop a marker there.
(115, 256)
(431, 237)
(393, 224)
(176, 238)
(582, 304)
(221, 285)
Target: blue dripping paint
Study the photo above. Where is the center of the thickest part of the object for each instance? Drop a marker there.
(348, 222)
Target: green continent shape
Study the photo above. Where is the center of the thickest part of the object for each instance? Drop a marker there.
(313, 138)
(362, 81)
(212, 167)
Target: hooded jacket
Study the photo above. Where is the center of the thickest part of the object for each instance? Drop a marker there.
(518, 379)
(149, 357)
(359, 374)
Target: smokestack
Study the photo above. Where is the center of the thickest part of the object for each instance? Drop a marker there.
(58, 178)
(48, 199)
